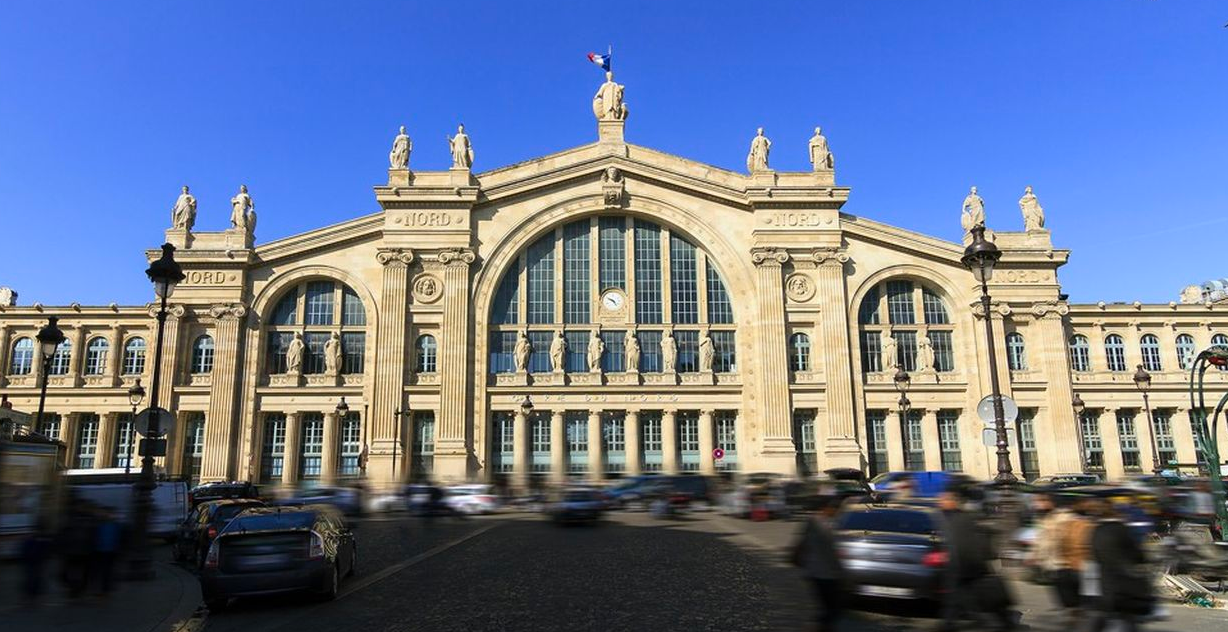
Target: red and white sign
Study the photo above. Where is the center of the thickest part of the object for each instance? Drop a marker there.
(718, 454)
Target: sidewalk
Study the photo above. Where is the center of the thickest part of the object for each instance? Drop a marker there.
(151, 606)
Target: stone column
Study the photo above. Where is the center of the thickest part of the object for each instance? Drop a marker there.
(558, 447)
(1111, 442)
(222, 418)
(1183, 436)
(631, 424)
(669, 441)
(5, 334)
(170, 354)
(779, 453)
(104, 455)
(68, 436)
(895, 441)
(930, 441)
(840, 448)
(520, 451)
(1144, 431)
(452, 443)
(596, 462)
(329, 451)
(78, 354)
(294, 450)
(389, 364)
(115, 354)
(707, 443)
(1058, 427)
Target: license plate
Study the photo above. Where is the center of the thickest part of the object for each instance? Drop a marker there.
(884, 591)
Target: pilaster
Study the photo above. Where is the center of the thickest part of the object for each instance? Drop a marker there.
(329, 454)
(631, 424)
(1057, 427)
(558, 447)
(707, 443)
(596, 464)
(779, 453)
(453, 444)
(294, 449)
(669, 441)
(389, 366)
(222, 417)
(1111, 444)
(78, 353)
(5, 343)
(115, 340)
(895, 441)
(1183, 436)
(104, 456)
(520, 451)
(170, 353)
(929, 440)
(841, 448)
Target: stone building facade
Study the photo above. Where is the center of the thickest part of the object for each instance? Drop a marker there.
(760, 316)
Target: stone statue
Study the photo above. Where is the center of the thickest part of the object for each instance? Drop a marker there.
(1190, 295)
(1033, 214)
(521, 353)
(973, 211)
(462, 151)
(891, 358)
(925, 353)
(558, 352)
(608, 102)
(8, 297)
(706, 353)
(631, 346)
(294, 355)
(757, 159)
(669, 352)
(596, 347)
(611, 175)
(332, 354)
(398, 158)
(242, 209)
(820, 156)
(183, 215)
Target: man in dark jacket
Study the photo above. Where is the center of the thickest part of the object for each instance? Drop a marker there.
(1125, 588)
(816, 554)
(971, 585)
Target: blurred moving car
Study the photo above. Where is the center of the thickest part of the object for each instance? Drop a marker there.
(892, 551)
(417, 498)
(220, 490)
(267, 550)
(576, 504)
(348, 500)
(471, 499)
(1060, 481)
(113, 489)
(202, 525)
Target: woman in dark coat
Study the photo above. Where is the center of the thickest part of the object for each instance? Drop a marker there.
(1125, 587)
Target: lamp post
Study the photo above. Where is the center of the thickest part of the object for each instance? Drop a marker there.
(526, 406)
(1142, 381)
(49, 339)
(165, 274)
(136, 395)
(1078, 406)
(980, 257)
(902, 381)
(398, 413)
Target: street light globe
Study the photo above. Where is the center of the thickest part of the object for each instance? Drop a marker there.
(1142, 379)
(1078, 405)
(50, 337)
(342, 407)
(981, 255)
(526, 406)
(164, 273)
(901, 379)
(136, 394)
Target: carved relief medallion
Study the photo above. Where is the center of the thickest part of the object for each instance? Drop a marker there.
(427, 289)
(799, 287)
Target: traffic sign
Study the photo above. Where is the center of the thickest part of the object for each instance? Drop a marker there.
(152, 447)
(989, 437)
(984, 410)
(165, 421)
(718, 454)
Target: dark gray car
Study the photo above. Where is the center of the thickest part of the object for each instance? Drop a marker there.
(893, 551)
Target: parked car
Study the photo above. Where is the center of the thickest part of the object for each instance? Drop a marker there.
(631, 490)
(221, 490)
(115, 490)
(471, 499)
(577, 504)
(348, 500)
(202, 525)
(1060, 481)
(267, 550)
(892, 551)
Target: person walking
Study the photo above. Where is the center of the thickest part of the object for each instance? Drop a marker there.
(815, 553)
(1125, 588)
(1060, 555)
(972, 588)
(108, 538)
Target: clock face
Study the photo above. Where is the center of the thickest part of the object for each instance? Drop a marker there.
(612, 300)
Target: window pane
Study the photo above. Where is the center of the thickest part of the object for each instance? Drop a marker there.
(1080, 354)
(1150, 346)
(650, 432)
(286, 312)
(944, 351)
(96, 356)
(1115, 350)
(613, 253)
(1093, 448)
(354, 348)
(312, 446)
(577, 440)
(935, 311)
(688, 440)
(506, 310)
(427, 354)
(899, 303)
(876, 432)
(503, 442)
(278, 342)
(799, 352)
(540, 262)
(906, 349)
(577, 296)
(423, 457)
(274, 448)
(1016, 360)
(539, 358)
(647, 273)
(1185, 351)
(867, 314)
(134, 357)
(613, 360)
(1129, 440)
(872, 350)
(313, 361)
(727, 438)
(352, 311)
(613, 437)
(805, 440)
(502, 348)
(719, 308)
(650, 351)
(319, 303)
(948, 439)
(351, 445)
(61, 359)
(577, 351)
(726, 349)
(688, 351)
(202, 355)
(87, 441)
(683, 282)
(914, 459)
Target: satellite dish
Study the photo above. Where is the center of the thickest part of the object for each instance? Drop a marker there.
(1010, 410)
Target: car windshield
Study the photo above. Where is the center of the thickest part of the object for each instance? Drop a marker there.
(226, 512)
(269, 520)
(888, 520)
(579, 495)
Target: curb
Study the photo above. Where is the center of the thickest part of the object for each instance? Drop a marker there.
(194, 623)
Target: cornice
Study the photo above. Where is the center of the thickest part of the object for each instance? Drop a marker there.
(303, 243)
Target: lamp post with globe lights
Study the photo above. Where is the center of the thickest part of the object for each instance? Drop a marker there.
(49, 340)
(902, 381)
(1078, 406)
(1142, 381)
(136, 395)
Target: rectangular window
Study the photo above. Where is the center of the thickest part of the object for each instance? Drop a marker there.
(313, 360)
(1029, 457)
(540, 436)
(871, 352)
(577, 351)
(613, 360)
(312, 446)
(354, 351)
(727, 439)
(96, 359)
(423, 447)
(906, 349)
(914, 459)
(577, 296)
(124, 454)
(273, 453)
(286, 312)
(720, 310)
(899, 303)
(540, 277)
(503, 441)
(648, 308)
(87, 441)
(506, 310)
(49, 426)
(577, 440)
(351, 446)
(726, 352)
(944, 352)
(319, 303)
(1166, 449)
(352, 312)
(539, 359)
(650, 428)
(948, 440)
(867, 314)
(876, 431)
(650, 351)
(1093, 446)
(688, 351)
(1128, 436)
(194, 446)
(134, 358)
(278, 342)
(502, 348)
(935, 311)
(614, 438)
(684, 287)
(806, 440)
(612, 266)
(688, 440)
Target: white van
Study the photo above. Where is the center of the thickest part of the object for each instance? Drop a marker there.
(111, 488)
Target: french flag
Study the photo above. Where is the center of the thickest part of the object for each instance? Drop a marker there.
(601, 60)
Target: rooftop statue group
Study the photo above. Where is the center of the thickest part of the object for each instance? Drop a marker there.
(459, 147)
(972, 213)
(242, 214)
(821, 158)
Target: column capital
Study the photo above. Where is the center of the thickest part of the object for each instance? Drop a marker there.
(456, 256)
(173, 310)
(830, 256)
(764, 256)
(707, 411)
(292, 415)
(595, 412)
(1002, 309)
(228, 311)
(398, 257)
(1050, 310)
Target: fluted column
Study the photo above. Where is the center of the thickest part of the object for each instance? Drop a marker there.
(452, 444)
(104, 455)
(115, 354)
(895, 441)
(669, 441)
(1183, 436)
(5, 335)
(1057, 427)
(389, 366)
(170, 353)
(596, 464)
(1111, 442)
(779, 453)
(520, 451)
(632, 425)
(558, 447)
(329, 453)
(222, 417)
(78, 353)
(707, 443)
(929, 440)
(840, 448)
(294, 449)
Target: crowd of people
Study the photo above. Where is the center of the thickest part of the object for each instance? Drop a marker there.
(87, 548)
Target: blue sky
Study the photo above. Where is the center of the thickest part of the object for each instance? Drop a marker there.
(1115, 111)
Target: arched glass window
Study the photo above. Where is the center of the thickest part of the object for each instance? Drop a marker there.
(23, 357)
(318, 309)
(134, 356)
(1115, 352)
(202, 355)
(799, 352)
(427, 352)
(1016, 356)
(1185, 351)
(61, 359)
(1222, 341)
(646, 275)
(1150, 346)
(96, 355)
(1080, 353)
(904, 310)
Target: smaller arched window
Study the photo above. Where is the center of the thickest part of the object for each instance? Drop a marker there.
(61, 359)
(23, 357)
(1185, 351)
(1080, 353)
(134, 357)
(1220, 340)
(202, 355)
(799, 352)
(1016, 357)
(1150, 346)
(426, 354)
(96, 355)
(1115, 352)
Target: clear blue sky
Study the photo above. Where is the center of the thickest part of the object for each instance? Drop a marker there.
(1116, 111)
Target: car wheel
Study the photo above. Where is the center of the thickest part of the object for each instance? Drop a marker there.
(334, 583)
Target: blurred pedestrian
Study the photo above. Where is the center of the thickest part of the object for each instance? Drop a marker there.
(34, 552)
(108, 538)
(973, 590)
(1125, 587)
(1059, 559)
(76, 542)
(815, 553)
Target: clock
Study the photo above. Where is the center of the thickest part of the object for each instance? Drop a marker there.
(612, 300)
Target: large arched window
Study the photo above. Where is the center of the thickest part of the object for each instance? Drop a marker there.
(1185, 351)
(1222, 341)
(1080, 353)
(318, 309)
(799, 352)
(909, 312)
(1150, 347)
(202, 355)
(134, 356)
(1115, 352)
(23, 357)
(96, 355)
(427, 352)
(623, 278)
(1016, 354)
(61, 359)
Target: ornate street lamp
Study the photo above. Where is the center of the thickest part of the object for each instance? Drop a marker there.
(902, 381)
(1078, 406)
(165, 274)
(526, 406)
(49, 339)
(342, 408)
(1142, 381)
(136, 395)
(980, 257)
